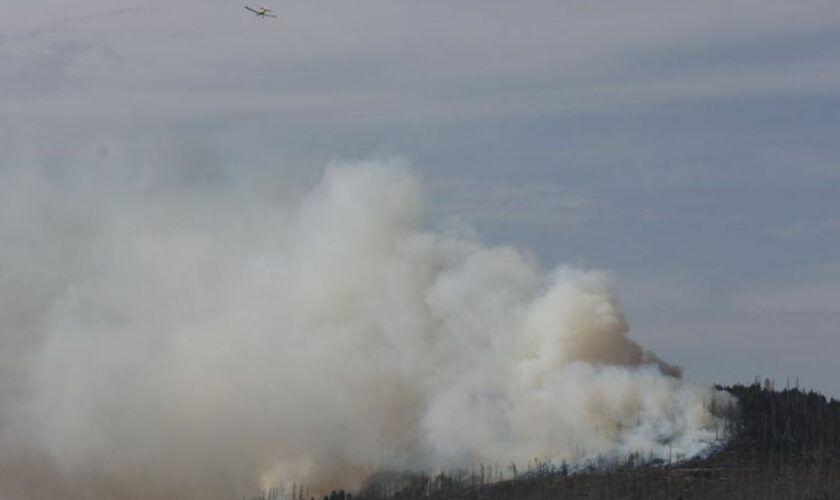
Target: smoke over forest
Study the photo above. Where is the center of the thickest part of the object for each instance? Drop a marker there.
(167, 338)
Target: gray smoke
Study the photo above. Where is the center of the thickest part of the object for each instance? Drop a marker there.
(173, 336)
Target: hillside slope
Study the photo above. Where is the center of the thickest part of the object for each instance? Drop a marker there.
(784, 445)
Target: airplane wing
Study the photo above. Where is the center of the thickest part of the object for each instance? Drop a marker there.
(255, 11)
(269, 15)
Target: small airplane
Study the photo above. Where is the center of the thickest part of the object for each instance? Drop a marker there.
(261, 12)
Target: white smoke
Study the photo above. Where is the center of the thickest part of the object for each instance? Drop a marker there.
(164, 338)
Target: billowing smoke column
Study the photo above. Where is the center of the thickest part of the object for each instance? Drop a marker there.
(161, 340)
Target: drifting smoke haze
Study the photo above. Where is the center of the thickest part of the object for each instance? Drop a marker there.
(164, 338)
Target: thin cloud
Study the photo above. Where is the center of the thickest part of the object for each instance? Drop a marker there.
(369, 60)
(818, 297)
(536, 206)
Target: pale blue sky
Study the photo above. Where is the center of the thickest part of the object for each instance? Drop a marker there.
(689, 147)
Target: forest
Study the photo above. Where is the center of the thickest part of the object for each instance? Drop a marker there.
(784, 444)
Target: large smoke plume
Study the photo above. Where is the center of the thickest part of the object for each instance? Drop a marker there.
(163, 338)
